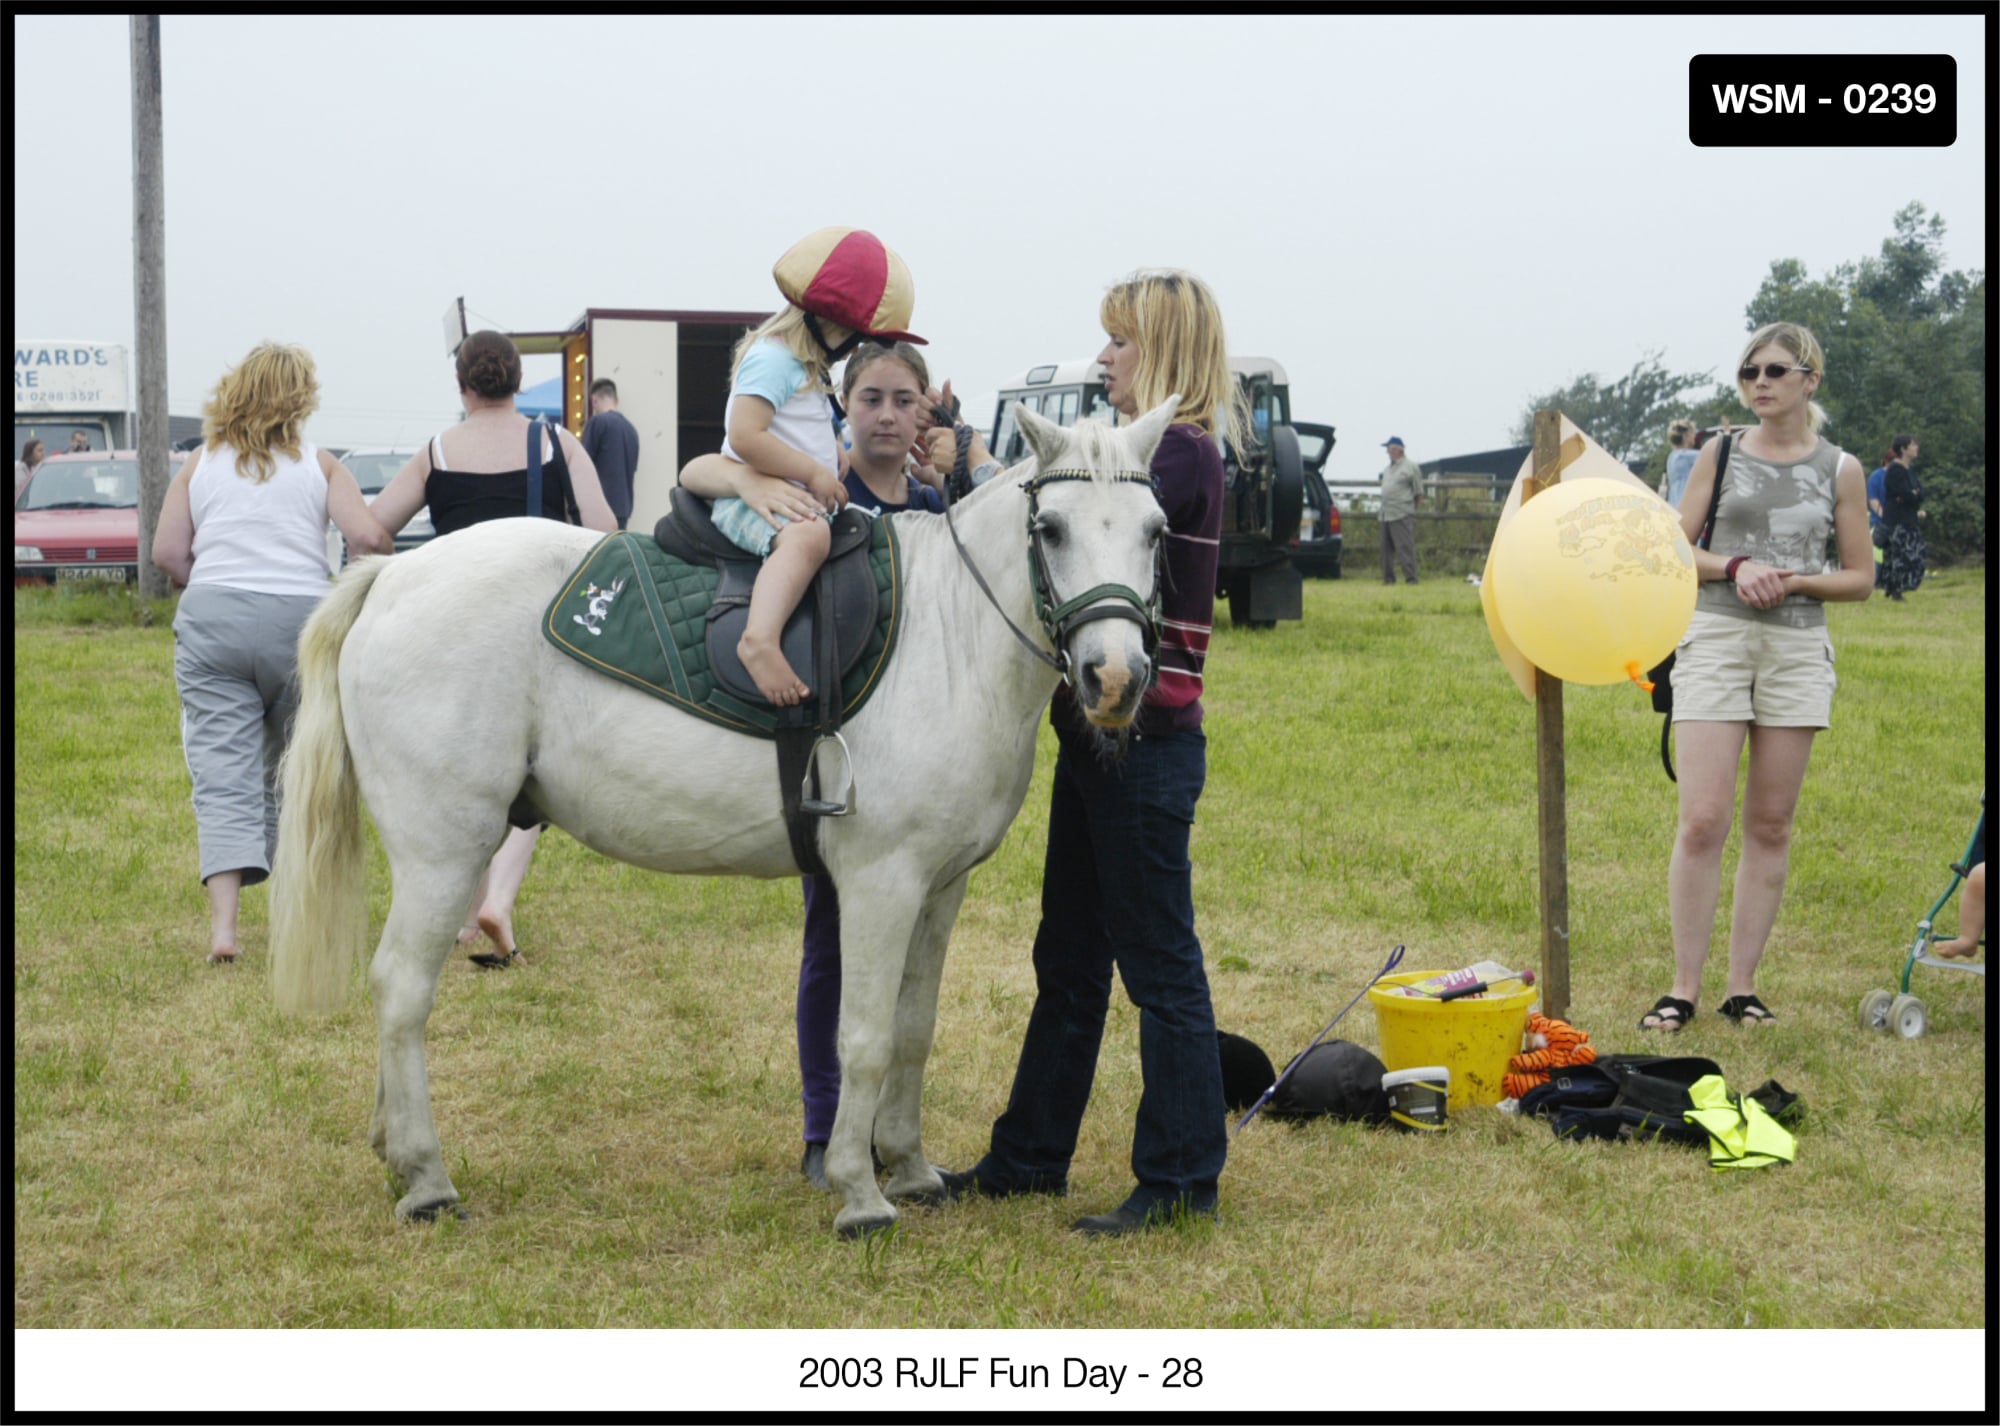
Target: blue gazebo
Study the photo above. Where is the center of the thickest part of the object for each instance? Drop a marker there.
(544, 398)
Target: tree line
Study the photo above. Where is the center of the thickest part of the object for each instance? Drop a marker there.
(1905, 343)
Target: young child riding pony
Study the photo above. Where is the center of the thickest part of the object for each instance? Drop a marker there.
(840, 285)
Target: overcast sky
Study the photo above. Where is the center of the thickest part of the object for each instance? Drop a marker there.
(1426, 219)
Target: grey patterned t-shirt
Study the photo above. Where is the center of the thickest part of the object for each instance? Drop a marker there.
(1778, 515)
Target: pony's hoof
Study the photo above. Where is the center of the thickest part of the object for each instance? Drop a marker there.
(925, 1195)
(428, 1212)
(865, 1227)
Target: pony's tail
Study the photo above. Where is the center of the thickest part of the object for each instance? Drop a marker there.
(319, 906)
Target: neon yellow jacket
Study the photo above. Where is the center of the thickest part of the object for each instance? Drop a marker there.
(1740, 1134)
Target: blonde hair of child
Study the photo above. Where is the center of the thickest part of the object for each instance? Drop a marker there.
(787, 327)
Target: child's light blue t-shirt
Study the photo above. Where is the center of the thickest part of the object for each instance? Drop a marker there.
(803, 420)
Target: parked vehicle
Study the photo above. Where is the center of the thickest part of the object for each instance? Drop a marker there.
(1264, 509)
(1317, 553)
(374, 467)
(78, 518)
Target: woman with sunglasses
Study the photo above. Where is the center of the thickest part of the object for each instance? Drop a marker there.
(1756, 665)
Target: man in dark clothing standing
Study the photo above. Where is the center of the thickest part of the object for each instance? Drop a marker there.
(613, 447)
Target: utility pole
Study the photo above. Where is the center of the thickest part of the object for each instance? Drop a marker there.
(149, 292)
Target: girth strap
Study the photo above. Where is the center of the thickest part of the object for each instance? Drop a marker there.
(795, 747)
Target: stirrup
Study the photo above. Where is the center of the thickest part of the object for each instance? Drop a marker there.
(842, 804)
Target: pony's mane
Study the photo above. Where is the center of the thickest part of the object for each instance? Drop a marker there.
(1097, 449)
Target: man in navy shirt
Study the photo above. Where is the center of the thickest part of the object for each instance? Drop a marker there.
(613, 447)
(1877, 484)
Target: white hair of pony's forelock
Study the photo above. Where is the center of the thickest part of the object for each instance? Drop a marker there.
(1098, 449)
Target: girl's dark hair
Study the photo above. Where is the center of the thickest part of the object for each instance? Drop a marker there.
(29, 445)
(489, 365)
(1901, 444)
(868, 353)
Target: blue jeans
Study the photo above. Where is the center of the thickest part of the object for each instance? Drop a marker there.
(1117, 890)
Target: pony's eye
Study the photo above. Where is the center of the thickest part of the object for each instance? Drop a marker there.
(1050, 529)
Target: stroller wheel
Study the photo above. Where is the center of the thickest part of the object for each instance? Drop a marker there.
(1875, 1009)
(1907, 1016)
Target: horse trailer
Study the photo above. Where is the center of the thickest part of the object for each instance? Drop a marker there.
(672, 372)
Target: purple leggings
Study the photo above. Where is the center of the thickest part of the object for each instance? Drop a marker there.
(819, 1010)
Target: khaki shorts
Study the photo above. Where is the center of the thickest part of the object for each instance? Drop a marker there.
(1747, 671)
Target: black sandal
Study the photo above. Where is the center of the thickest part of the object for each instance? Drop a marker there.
(1746, 1010)
(497, 960)
(1668, 1014)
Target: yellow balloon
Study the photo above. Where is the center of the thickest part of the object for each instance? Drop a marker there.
(1594, 581)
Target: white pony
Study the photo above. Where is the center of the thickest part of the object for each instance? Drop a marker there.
(426, 686)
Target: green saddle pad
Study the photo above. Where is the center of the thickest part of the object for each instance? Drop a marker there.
(634, 612)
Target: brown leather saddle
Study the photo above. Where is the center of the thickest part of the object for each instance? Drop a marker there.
(823, 639)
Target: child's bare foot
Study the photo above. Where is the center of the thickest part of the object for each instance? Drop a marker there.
(771, 671)
(469, 933)
(498, 929)
(1958, 946)
(222, 955)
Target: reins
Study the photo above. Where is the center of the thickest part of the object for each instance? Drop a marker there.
(1059, 620)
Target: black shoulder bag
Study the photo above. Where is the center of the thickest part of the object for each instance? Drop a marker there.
(1662, 677)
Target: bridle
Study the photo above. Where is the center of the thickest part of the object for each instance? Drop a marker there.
(1060, 618)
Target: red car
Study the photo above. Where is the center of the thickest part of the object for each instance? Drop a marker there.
(78, 518)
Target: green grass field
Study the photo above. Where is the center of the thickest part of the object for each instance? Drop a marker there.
(622, 1115)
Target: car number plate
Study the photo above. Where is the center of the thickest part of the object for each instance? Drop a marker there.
(113, 572)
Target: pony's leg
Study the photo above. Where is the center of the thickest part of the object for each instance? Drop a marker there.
(422, 929)
(899, 1119)
(874, 945)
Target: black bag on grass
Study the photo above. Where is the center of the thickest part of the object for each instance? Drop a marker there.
(1623, 1097)
(1336, 1079)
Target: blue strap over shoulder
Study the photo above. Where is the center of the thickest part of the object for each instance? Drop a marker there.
(535, 466)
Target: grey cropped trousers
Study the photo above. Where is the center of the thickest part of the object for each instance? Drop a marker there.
(235, 657)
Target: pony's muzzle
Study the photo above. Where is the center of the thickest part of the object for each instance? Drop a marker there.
(1110, 683)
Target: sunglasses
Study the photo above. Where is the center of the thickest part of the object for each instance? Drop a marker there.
(1776, 371)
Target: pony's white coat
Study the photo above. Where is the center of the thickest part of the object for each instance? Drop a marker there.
(427, 687)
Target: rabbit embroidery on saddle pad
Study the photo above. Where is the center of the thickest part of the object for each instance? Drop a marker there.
(1555, 1044)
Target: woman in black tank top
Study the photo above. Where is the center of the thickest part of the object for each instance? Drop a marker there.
(489, 375)
(460, 499)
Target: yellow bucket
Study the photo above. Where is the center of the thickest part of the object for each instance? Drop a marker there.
(1474, 1038)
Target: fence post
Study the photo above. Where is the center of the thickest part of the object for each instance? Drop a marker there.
(1549, 781)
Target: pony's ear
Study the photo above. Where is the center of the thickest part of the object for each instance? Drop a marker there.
(1045, 438)
(1144, 433)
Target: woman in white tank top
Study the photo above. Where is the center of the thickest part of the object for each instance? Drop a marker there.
(243, 528)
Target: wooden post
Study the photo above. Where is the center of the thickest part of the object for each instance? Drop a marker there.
(1549, 783)
(149, 293)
